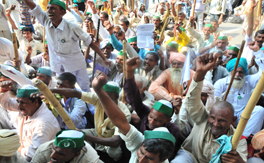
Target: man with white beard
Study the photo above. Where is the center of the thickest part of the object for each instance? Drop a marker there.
(242, 86)
(167, 85)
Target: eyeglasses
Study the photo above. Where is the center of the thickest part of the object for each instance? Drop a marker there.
(133, 44)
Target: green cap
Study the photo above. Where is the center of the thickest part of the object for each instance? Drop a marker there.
(88, 13)
(173, 44)
(74, 5)
(132, 39)
(208, 25)
(163, 106)
(160, 133)
(182, 29)
(233, 47)
(45, 70)
(69, 139)
(222, 37)
(26, 91)
(156, 16)
(111, 87)
(121, 53)
(59, 3)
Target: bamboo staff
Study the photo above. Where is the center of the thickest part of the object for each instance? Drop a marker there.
(97, 38)
(44, 33)
(90, 27)
(234, 71)
(132, 5)
(247, 112)
(54, 102)
(124, 69)
(193, 8)
(4, 2)
(14, 40)
(259, 9)
(163, 29)
(177, 14)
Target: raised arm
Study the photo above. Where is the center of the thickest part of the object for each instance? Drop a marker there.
(117, 117)
(67, 92)
(11, 21)
(251, 18)
(30, 4)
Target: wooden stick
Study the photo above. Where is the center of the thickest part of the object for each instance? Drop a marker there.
(14, 40)
(234, 71)
(90, 28)
(247, 112)
(259, 9)
(163, 29)
(54, 102)
(124, 69)
(44, 33)
(4, 1)
(177, 14)
(193, 8)
(132, 5)
(97, 37)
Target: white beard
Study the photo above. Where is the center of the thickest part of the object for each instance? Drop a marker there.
(237, 84)
(176, 75)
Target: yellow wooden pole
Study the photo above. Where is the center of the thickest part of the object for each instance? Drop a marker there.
(54, 102)
(124, 69)
(14, 40)
(132, 5)
(163, 29)
(193, 8)
(247, 112)
(234, 71)
(259, 9)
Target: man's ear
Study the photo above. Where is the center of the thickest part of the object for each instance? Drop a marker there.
(234, 121)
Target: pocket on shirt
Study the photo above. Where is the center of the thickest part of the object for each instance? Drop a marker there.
(65, 46)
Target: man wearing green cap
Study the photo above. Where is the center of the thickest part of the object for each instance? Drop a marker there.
(36, 124)
(231, 53)
(203, 38)
(105, 135)
(159, 22)
(69, 146)
(155, 146)
(63, 40)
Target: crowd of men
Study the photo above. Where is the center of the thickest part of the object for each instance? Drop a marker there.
(128, 103)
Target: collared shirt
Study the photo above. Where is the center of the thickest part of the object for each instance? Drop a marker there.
(129, 33)
(24, 13)
(39, 60)
(36, 45)
(201, 144)
(76, 109)
(87, 154)
(102, 31)
(219, 73)
(152, 75)
(133, 140)
(63, 42)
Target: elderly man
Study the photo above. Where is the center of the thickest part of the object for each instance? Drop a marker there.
(230, 53)
(203, 38)
(36, 124)
(167, 85)
(171, 47)
(201, 144)
(220, 43)
(240, 91)
(155, 146)
(150, 118)
(218, 72)
(63, 40)
(68, 146)
(105, 135)
(9, 144)
(159, 22)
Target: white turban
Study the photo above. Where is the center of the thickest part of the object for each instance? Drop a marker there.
(209, 89)
(9, 143)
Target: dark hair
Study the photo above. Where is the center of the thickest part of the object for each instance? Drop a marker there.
(181, 13)
(125, 21)
(259, 32)
(162, 146)
(105, 15)
(69, 77)
(37, 98)
(24, 29)
(153, 54)
(88, 18)
(214, 20)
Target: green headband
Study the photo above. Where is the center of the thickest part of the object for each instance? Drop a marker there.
(132, 39)
(159, 135)
(182, 29)
(26, 92)
(69, 142)
(208, 25)
(163, 108)
(111, 88)
(173, 44)
(45, 71)
(222, 37)
(233, 48)
(59, 3)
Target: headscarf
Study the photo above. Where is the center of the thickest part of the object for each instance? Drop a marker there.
(177, 56)
(242, 63)
(149, 17)
(9, 143)
(209, 89)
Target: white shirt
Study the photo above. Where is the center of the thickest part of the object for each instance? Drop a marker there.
(247, 52)
(102, 31)
(63, 42)
(39, 60)
(23, 43)
(3, 19)
(129, 33)
(218, 7)
(243, 93)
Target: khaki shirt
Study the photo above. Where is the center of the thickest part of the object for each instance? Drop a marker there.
(201, 144)
(87, 154)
